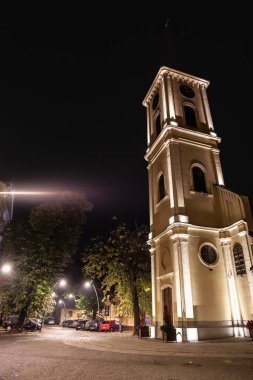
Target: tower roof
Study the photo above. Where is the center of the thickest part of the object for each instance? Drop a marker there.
(174, 73)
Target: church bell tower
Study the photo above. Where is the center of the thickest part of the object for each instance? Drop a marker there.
(200, 240)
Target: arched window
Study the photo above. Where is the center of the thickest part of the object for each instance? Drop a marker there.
(199, 182)
(161, 188)
(190, 117)
(239, 259)
(158, 125)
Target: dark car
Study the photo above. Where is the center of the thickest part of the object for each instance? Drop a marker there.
(67, 322)
(81, 324)
(49, 321)
(10, 322)
(74, 323)
(32, 325)
(8, 325)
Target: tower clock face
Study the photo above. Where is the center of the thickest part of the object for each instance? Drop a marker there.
(187, 91)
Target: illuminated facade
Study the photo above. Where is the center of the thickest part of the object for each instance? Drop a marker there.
(200, 231)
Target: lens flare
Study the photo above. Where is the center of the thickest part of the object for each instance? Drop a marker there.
(30, 192)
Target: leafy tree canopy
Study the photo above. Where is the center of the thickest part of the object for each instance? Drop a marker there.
(41, 248)
(121, 261)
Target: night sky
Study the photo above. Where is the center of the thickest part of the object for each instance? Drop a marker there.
(72, 84)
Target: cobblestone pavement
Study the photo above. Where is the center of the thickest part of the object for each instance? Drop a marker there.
(57, 353)
(127, 343)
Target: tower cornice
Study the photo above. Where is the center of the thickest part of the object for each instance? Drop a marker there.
(167, 71)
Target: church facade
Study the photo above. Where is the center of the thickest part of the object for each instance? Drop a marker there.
(200, 231)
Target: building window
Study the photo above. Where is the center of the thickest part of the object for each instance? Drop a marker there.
(161, 188)
(187, 91)
(158, 125)
(190, 117)
(208, 254)
(199, 181)
(239, 259)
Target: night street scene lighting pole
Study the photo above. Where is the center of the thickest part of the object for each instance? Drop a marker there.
(5, 270)
(61, 302)
(87, 285)
(59, 284)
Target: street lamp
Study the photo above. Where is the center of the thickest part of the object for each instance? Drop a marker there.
(6, 268)
(87, 285)
(62, 283)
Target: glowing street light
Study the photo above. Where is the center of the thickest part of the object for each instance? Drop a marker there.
(87, 285)
(6, 268)
(62, 283)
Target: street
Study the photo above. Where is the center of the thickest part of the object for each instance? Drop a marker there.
(58, 353)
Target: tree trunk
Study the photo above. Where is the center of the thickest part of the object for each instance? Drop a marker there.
(135, 300)
(22, 317)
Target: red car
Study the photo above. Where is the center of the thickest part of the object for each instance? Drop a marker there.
(110, 325)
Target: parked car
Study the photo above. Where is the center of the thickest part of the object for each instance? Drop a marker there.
(73, 323)
(32, 324)
(10, 322)
(92, 325)
(81, 324)
(8, 325)
(67, 322)
(49, 321)
(110, 325)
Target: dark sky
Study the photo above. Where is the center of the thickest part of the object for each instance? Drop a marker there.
(72, 84)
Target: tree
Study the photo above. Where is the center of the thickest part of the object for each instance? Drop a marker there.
(121, 261)
(88, 305)
(42, 247)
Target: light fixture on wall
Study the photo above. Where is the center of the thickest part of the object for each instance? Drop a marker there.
(251, 268)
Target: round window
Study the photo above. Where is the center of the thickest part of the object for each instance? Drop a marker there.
(155, 101)
(208, 254)
(187, 91)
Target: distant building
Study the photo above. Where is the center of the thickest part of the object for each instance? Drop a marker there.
(200, 231)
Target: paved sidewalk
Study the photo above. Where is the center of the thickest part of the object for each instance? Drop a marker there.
(127, 343)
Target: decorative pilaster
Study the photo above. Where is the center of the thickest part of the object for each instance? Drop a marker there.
(230, 274)
(177, 278)
(164, 101)
(207, 109)
(172, 114)
(153, 276)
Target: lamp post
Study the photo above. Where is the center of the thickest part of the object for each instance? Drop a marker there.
(87, 285)
(5, 269)
(62, 302)
(58, 284)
